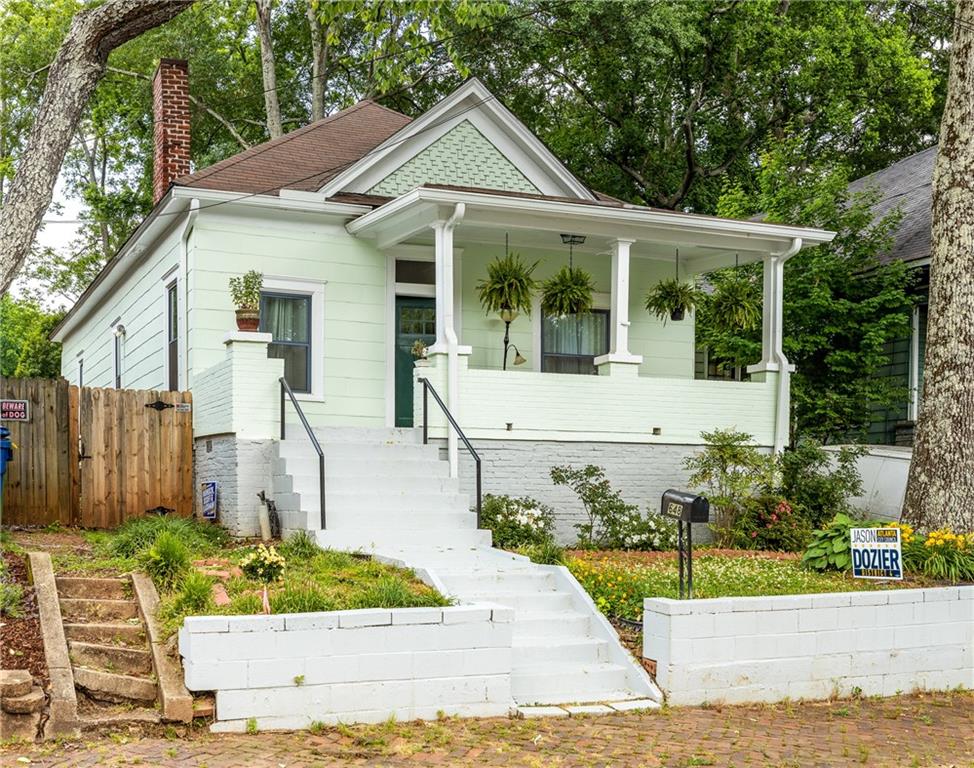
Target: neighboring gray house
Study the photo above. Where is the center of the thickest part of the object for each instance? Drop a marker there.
(905, 185)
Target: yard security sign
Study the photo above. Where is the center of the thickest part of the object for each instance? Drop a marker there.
(876, 553)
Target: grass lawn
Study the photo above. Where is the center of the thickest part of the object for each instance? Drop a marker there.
(618, 581)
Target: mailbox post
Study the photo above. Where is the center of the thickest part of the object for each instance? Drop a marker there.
(685, 508)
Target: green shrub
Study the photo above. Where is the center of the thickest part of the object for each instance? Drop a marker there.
(264, 564)
(771, 522)
(545, 553)
(299, 546)
(819, 483)
(941, 554)
(731, 471)
(135, 536)
(516, 522)
(11, 600)
(166, 561)
(829, 549)
(393, 592)
(195, 595)
(609, 518)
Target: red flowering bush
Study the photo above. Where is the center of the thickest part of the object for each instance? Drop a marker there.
(772, 522)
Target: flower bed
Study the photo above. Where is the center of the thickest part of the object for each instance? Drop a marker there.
(619, 581)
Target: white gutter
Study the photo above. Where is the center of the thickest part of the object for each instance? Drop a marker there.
(582, 211)
(782, 421)
(452, 342)
(194, 209)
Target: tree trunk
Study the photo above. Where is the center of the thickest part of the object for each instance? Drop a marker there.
(319, 55)
(272, 105)
(76, 70)
(940, 491)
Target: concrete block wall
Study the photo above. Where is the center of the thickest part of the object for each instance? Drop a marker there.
(241, 468)
(291, 670)
(640, 471)
(765, 649)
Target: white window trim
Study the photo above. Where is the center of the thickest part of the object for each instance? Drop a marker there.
(169, 279)
(599, 301)
(316, 290)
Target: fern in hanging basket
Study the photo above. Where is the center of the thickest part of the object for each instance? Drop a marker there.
(509, 285)
(569, 292)
(735, 304)
(671, 299)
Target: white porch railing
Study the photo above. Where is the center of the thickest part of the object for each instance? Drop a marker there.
(523, 405)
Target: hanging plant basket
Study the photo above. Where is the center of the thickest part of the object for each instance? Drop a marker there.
(569, 292)
(735, 303)
(509, 286)
(671, 299)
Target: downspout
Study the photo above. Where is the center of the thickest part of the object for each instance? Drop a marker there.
(194, 209)
(452, 342)
(782, 427)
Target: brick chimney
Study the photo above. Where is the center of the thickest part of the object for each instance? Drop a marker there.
(170, 113)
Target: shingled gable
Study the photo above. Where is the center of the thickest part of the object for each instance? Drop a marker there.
(303, 159)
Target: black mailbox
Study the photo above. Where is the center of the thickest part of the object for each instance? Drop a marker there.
(685, 507)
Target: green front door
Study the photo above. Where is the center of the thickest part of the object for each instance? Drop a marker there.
(415, 319)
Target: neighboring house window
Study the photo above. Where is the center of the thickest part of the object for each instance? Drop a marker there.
(172, 336)
(287, 317)
(570, 344)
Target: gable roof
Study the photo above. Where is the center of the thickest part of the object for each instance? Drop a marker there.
(906, 184)
(303, 159)
(473, 104)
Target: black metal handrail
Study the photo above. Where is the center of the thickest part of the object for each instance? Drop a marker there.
(428, 389)
(285, 389)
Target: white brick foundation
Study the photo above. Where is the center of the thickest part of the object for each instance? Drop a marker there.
(288, 671)
(763, 649)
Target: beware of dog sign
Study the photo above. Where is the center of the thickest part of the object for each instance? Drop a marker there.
(876, 553)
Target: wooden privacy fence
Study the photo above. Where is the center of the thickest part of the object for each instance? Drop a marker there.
(96, 457)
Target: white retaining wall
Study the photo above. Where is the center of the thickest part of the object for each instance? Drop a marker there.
(763, 649)
(288, 671)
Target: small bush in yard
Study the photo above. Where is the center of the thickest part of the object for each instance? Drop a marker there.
(829, 549)
(166, 561)
(11, 597)
(941, 554)
(306, 598)
(137, 535)
(819, 484)
(770, 522)
(546, 553)
(264, 564)
(392, 592)
(517, 522)
(195, 594)
(300, 545)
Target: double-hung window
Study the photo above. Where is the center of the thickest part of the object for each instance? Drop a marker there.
(287, 317)
(570, 343)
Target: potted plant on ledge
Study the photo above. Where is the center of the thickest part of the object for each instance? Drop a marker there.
(245, 292)
(507, 291)
(671, 298)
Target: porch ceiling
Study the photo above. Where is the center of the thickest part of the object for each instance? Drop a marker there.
(705, 242)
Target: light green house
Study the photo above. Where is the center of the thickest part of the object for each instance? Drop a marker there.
(372, 231)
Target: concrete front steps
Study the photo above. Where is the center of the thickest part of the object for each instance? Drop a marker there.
(383, 486)
(109, 652)
(392, 496)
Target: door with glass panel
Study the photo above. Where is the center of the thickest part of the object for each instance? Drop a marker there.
(570, 343)
(415, 321)
(287, 318)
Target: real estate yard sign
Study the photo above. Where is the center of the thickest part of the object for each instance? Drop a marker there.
(876, 553)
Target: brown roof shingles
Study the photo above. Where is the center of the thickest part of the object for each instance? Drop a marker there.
(306, 158)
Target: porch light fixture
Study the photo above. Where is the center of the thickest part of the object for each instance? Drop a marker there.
(571, 241)
(519, 359)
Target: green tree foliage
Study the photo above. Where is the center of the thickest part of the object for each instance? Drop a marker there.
(660, 102)
(841, 305)
(24, 347)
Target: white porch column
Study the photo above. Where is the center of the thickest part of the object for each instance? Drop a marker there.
(773, 358)
(619, 360)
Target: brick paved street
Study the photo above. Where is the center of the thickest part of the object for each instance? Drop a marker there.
(928, 730)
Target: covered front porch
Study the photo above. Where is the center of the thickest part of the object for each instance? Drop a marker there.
(439, 242)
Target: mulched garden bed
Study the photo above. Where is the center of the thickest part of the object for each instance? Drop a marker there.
(20, 638)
